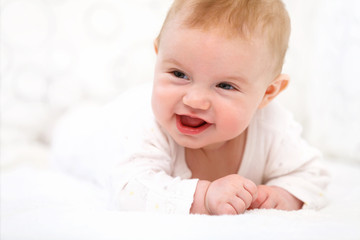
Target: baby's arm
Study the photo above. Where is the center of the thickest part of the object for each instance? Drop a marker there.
(275, 197)
(231, 194)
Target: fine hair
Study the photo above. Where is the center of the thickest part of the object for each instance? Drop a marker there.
(242, 18)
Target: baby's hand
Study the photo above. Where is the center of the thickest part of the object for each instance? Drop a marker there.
(231, 194)
(275, 197)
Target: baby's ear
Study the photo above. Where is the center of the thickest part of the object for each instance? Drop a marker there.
(156, 45)
(275, 87)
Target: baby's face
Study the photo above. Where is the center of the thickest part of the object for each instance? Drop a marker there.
(207, 87)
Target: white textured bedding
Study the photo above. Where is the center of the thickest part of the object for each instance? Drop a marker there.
(43, 204)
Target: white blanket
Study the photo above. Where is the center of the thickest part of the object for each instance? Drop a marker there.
(43, 204)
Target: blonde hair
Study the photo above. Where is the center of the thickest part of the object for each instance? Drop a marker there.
(238, 18)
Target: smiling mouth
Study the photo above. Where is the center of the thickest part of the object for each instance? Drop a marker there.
(192, 122)
(190, 125)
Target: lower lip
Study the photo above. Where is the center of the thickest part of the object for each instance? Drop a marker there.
(189, 130)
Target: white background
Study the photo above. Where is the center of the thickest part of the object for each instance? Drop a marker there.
(61, 54)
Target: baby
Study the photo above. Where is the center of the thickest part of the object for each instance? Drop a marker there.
(218, 144)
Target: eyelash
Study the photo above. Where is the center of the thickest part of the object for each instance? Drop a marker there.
(222, 85)
(179, 74)
(226, 86)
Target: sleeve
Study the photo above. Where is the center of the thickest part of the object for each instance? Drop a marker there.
(296, 166)
(144, 183)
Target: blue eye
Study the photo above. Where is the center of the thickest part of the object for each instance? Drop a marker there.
(225, 86)
(180, 75)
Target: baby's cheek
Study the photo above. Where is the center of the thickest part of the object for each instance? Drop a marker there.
(235, 125)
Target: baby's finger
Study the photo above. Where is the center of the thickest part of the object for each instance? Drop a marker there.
(261, 198)
(245, 197)
(238, 204)
(251, 187)
(225, 209)
(268, 203)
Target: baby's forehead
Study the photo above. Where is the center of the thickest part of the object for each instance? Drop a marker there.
(180, 23)
(254, 38)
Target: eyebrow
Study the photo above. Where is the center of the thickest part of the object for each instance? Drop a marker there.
(172, 60)
(238, 78)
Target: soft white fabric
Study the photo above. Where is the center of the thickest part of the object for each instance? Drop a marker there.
(126, 149)
(42, 205)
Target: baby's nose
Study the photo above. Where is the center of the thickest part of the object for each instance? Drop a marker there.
(197, 100)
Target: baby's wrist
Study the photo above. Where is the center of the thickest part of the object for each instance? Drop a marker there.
(199, 206)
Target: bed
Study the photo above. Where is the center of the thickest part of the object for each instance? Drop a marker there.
(39, 203)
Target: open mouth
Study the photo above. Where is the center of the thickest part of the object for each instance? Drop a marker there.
(192, 122)
(191, 125)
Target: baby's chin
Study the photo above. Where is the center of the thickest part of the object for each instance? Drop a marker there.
(195, 143)
(188, 142)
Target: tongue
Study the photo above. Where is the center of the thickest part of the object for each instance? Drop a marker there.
(192, 122)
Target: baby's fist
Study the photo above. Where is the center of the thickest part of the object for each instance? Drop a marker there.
(232, 194)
